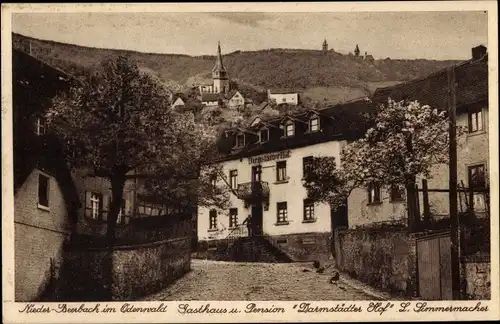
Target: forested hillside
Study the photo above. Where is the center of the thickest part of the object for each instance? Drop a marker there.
(321, 76)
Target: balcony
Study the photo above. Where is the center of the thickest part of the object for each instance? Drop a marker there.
(254, 192)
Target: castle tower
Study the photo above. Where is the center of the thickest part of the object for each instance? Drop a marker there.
(219, 74)
(356, 50)
(325, 46)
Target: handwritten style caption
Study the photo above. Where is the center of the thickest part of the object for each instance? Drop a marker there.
(207, 308)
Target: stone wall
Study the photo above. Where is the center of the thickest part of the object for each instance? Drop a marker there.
(477, 277)
(304, 247)
(381, 257)
(125, 273)
(296, 247)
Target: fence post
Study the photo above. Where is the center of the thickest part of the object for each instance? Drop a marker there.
(425, 198)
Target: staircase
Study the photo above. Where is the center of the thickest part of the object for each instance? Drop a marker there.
(251, 249)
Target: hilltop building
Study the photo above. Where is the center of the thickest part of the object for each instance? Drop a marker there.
(356, 50)
(368, 57)
(325, 46)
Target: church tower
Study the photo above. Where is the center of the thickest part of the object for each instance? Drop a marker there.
(219, 74)
(325, 46)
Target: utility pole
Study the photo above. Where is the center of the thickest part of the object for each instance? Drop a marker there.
(454, 220)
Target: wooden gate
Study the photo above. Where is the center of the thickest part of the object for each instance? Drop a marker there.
(434, 266)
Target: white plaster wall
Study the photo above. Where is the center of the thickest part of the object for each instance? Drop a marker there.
(293, 192)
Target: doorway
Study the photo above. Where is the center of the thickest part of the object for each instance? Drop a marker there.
(256, 222)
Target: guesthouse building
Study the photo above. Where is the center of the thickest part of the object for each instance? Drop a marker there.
(264, 166)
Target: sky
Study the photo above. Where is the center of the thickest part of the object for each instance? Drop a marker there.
(429, 35)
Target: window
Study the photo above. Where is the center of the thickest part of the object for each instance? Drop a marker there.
(213, 219)
(307, 165)
(240, 140)
(282, 212)
(314, 124)
(475, 120)
(289, 129)
(308, 210)
(373, 193)
(43, 190)
(40, 126)
(281, 171)
(264, 135)
(477, 177)
(96, 205)
(121, 214)
(257, 173)
(233, 217)
(396, 193)
(233, 179)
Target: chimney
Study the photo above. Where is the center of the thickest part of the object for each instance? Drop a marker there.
(478, 52)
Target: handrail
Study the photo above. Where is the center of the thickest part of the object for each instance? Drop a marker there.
(237, 227)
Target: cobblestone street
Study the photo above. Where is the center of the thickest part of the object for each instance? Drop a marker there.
(217, 280)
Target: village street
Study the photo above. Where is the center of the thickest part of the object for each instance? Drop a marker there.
(218, 280)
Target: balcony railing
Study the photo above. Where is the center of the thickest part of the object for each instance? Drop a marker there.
(253, 192)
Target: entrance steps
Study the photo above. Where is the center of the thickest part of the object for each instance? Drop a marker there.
(250, 249)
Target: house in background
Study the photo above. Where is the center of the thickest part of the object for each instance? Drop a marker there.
(371, 205)
(281, 96)
(45, 197)
(178, 103)
(234, 99)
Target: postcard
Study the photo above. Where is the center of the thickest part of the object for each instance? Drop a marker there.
(250, 162)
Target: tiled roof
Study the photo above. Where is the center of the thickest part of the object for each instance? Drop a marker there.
(337, 122)
(205, 97)
(282, 91)
(231, 93)
(471, 79)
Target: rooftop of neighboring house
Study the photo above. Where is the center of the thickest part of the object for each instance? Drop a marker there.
(282, 91)
(35, 83)
(231, 94)
(471, 78)
(342, 121)
(209, 97)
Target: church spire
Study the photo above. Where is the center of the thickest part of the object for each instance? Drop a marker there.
(219, 66)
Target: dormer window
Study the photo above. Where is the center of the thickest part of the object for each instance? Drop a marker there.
(240, 140)
(264, 135)
(314, 124)
(289, 129)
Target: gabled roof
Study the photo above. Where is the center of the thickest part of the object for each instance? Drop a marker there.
(472, 86)
(35, 84)
(178, 102)
(232, 93)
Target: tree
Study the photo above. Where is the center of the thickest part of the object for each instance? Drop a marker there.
(405, 140)
(121, 122)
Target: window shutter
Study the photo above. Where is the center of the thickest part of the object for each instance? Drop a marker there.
(101, 213)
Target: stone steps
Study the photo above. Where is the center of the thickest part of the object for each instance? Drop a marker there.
(251, 249)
